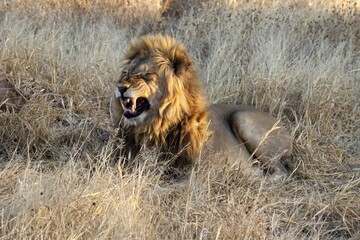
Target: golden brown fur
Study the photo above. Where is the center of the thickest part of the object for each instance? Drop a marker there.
(159, 102)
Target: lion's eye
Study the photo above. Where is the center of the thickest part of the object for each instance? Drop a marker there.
(124, 72)
(150, 76)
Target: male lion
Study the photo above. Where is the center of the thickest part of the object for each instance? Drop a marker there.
(159, 102)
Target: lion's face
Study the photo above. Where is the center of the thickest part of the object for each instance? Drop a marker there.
(139, 91)
(158, 87)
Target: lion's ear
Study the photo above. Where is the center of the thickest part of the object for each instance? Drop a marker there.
(180, 62)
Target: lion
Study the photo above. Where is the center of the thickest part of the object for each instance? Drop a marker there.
(159, 102)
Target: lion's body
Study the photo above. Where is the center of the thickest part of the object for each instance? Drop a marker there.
(222, 140)
(240, 133)
(159, 102)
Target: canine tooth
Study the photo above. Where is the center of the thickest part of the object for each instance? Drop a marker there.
(133, 107)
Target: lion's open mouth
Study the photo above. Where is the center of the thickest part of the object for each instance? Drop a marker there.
(133, 107)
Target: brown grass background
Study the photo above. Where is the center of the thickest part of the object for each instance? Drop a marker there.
(298, 60)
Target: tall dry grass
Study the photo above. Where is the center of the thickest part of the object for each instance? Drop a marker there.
(298, 60)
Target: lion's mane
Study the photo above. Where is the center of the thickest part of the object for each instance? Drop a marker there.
(181, 121)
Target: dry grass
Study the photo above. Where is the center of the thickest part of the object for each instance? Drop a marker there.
(299, 60)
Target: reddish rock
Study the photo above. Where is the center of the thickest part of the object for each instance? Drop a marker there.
(10, 99)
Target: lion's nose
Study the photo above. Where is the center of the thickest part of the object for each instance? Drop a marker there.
(122, 89)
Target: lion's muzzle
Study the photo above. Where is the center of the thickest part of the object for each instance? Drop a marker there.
(133, 106)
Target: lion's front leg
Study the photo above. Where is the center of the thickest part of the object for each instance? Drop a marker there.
(125, 150)
(263, 136)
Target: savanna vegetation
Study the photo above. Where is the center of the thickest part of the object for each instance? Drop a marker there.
(297, 59)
